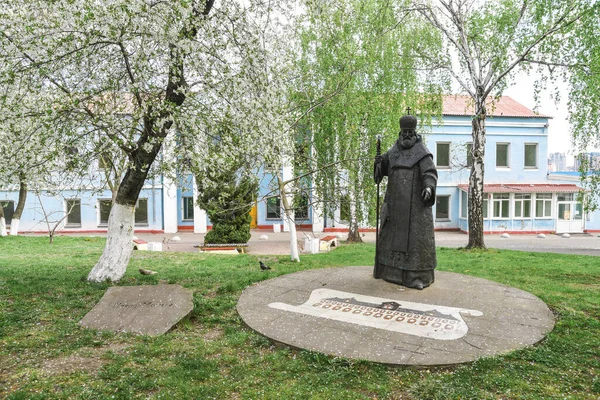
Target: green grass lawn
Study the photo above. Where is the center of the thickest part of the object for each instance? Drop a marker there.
(44, 353)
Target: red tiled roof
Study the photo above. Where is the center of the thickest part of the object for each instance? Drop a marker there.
(526, 188)
(503, 107)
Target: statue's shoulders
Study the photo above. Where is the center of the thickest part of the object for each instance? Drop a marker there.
(421, 149)
(406, 158)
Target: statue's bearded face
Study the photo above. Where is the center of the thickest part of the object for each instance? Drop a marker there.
(408, 138)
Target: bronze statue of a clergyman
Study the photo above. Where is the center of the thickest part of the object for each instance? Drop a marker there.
(406, 243)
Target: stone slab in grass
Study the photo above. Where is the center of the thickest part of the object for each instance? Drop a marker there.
(147, 310)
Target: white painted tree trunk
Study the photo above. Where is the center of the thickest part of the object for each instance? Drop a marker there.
(14, 227)
(2, 226)
(294, 255)
(113, 262)
(288, 218)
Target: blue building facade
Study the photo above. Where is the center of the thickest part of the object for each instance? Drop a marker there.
(521, 196)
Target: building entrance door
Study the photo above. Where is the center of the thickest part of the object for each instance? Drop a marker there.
(569, 217)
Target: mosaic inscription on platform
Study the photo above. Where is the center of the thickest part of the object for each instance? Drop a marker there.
(425, 320)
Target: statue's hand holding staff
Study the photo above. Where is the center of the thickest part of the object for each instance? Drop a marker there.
(426, 193)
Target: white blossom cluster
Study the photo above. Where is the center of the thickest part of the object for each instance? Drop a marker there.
(90, 75)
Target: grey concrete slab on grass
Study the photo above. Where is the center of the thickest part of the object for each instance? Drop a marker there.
(346, 312)
(150, 310)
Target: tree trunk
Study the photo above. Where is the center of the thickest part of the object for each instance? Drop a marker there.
(116, 254)
(353, 233)
(476, 178)
(115, 257)
(14, 225)
(289, 219)
(2, 222)
(157, 121)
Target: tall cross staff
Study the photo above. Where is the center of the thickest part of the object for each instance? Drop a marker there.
(376, 271)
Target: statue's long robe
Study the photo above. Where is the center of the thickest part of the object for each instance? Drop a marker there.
(406, 243)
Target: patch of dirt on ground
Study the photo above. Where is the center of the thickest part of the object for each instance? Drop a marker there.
(213, 334)
(86, 359)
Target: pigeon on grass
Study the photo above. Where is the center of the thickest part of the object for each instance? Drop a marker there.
(263, 266)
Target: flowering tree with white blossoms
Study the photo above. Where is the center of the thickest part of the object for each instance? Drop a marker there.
(33, 157)
(140, 73)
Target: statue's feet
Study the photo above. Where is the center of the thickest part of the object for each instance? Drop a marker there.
(418, 284)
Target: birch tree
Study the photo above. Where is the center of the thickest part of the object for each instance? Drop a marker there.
(137, 73)
(582, 56)
(486, 43)
(358, 76)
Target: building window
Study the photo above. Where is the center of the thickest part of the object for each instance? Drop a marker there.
(104, 205)
(501, 203)
(443, 155)
(344, 208)
(502, 159)
(273, 208)
(9, 210)
(485, 207)
(301, 207)
(188, 208)
(442, 208)
(522, 205)
(469, 154)
(141, 212)
(543, 205)
(564, 197)
(531, 156)
(73, 212)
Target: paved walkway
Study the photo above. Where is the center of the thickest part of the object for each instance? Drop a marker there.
(278, 243)
(333, 311)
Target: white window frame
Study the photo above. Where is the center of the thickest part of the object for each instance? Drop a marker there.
(137, 204)
(183, 208)
(298, 215)
(570, 196)
(448, 218)
(501, 201)
(267, 209)
(519, 199)
(547, 204)
(537, 158)
(100, 223)
(486, 206)
(469, 148)
(67, 211)
(437, 155)
(507, 166)
(8, 221)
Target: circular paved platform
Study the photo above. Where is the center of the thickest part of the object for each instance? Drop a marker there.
(346, 312)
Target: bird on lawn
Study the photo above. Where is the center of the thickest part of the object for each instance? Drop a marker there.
(263, 266)
(147, 272)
